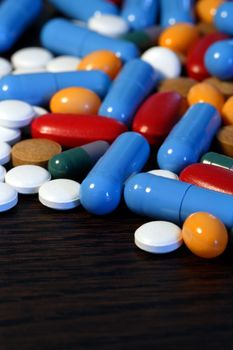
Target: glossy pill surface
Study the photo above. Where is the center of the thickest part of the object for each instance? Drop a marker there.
(227, 111)
(206, 9)
(225, 140)
(204, 92)
(217, 159)
(205, 235)
(176, 11)
(8, 197)
(223, 19)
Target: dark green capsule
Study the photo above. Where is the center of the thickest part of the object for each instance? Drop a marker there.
(217, 159)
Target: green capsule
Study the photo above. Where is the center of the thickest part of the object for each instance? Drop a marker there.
(218, 160)
(143, 38)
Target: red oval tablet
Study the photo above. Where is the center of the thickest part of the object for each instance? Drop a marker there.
(71, 130)
(157, 115)
(208, 176)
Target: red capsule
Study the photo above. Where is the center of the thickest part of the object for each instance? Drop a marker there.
(195, 64)
(71, 130)
(208, 176)
(157, 115)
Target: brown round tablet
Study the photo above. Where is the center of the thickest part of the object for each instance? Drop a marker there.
(225, 140)
(181, 85)
(225, 87)
(34, 151)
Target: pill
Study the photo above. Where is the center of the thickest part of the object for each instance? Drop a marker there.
(71, 130)
(5, 67)
(15, 114)
(172, 200)
(75, 163)
(227, 111)
(144, 38)
(176, 11)
(217, 160)
(179, 38)
(164, 61)
(8, 197)
(157, 115)
(158, 237)
(10, 136)
(39, 111)
(195, 64)
(225, 140)
(34, 151)
(34, 70)
(109, 25)
(218, 59)
(75, 100)
(77, 9)
(182, 85)
(205, 235)
(38, 88)
(101, 190)
(103, 60)
(60, 194)
(204, 92)
(208, 176)
(206, 9)
(140, 14)
(31, 57)
(65, 38)
(27, 179)
(223, 18)
(137, 79)
(205, 28)
(165, 173)
(63, 64)
(190, 138)
(225, 87)
(15, 17)
(5, 152)
(2, 173)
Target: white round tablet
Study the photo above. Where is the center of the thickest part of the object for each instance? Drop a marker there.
(2, 173)
(109, 25)
(158, 237)
(10, 136)
(31, 57)
(39, 111)
(5, 153)
(164, 173)
(27, 179)
(15, 113)
(164, 61)
(5, 67)
(8, 197)
(61, 194)
(63, 64)
(19, 71)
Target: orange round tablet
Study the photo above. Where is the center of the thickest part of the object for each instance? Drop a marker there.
(103, 60)
(206, 9)
(205, 235)
(75, 100)
(179, 37)
(227, 111)
(204, 92)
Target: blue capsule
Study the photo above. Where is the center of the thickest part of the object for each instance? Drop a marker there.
(190, 138)
(176, 11)
(140, 14)
(219, 59)
(135, 81)
(38, 88)
(223, 18)
(65, 38)
(100, 192)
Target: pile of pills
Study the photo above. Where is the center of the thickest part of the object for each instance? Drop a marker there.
(114, 82)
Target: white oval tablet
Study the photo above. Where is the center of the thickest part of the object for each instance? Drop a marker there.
(158, 237)
(2, 173)
(31, 57)
(164, 61)
(8, 197)
(109, 25)
(39, 111)
(10, 136)
(5, 153)
(164, 173)
(15, 113)
(63, 64)
(5, 67)
(61, 194)
(19, 71)
(27, 179)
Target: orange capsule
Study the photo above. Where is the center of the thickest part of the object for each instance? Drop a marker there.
(204, 92)
(206, 9)
(179, 37)
(75, 100)
(205, 235)
(227, 111)
(103, 60)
